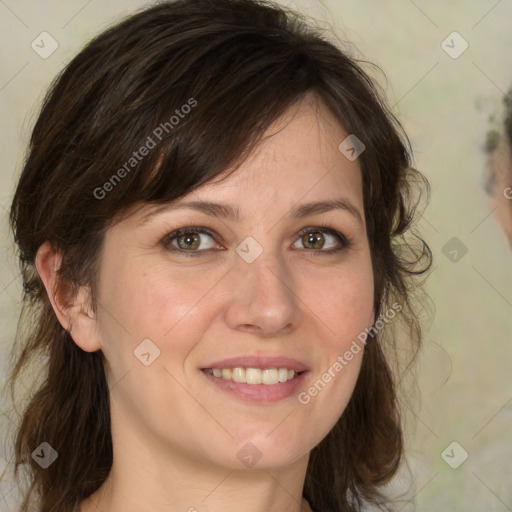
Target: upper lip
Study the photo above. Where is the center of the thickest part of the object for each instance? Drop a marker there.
(260, 362)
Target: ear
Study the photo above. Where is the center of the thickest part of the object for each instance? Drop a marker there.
(72, 308)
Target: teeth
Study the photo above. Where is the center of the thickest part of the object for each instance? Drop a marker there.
(283, 375)
(238, 374)
(253, 376)
(271, 375)
(267, 376)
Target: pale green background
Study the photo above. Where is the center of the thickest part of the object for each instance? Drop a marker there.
(444, 103)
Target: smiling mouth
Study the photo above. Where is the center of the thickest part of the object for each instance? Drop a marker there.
(266, 376)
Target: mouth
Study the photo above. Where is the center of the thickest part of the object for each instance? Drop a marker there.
(257, 379)
(254, 376)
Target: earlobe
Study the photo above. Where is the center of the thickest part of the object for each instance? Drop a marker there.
(71, 306)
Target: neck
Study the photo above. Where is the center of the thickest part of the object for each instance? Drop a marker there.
(172, 482)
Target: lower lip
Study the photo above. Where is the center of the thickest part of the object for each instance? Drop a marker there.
(259, 393)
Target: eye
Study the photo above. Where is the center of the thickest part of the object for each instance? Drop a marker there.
(322, 239)
(190, 240)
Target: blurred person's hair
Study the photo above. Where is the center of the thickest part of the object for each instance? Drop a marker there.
(504, 129)
(498, 174)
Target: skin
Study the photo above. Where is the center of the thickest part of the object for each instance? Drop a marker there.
(176, 436)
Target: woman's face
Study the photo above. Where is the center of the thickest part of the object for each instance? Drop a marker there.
(271, 287)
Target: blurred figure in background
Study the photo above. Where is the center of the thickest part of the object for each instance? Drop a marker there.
(498, 178)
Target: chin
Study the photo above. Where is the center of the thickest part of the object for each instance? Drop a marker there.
(260, 453)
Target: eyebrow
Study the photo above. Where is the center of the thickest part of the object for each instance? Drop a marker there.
(231, 212)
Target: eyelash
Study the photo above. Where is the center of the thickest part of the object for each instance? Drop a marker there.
(342, 239)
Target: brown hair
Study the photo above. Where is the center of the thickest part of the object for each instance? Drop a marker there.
(243, 63)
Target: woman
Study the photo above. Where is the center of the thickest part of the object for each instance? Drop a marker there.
(211, 223)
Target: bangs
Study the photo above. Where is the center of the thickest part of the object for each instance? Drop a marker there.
(199, 118)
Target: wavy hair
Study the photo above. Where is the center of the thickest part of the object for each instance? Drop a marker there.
(244, 62)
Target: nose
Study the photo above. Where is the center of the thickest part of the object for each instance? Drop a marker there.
(261, 297)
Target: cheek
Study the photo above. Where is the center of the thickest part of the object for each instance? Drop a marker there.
(343, 308)
(157, 300)
(173, 310)
(151, 302)
(342, 303)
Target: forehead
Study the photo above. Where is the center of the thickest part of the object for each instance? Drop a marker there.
(296, 161)
(299, 152)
